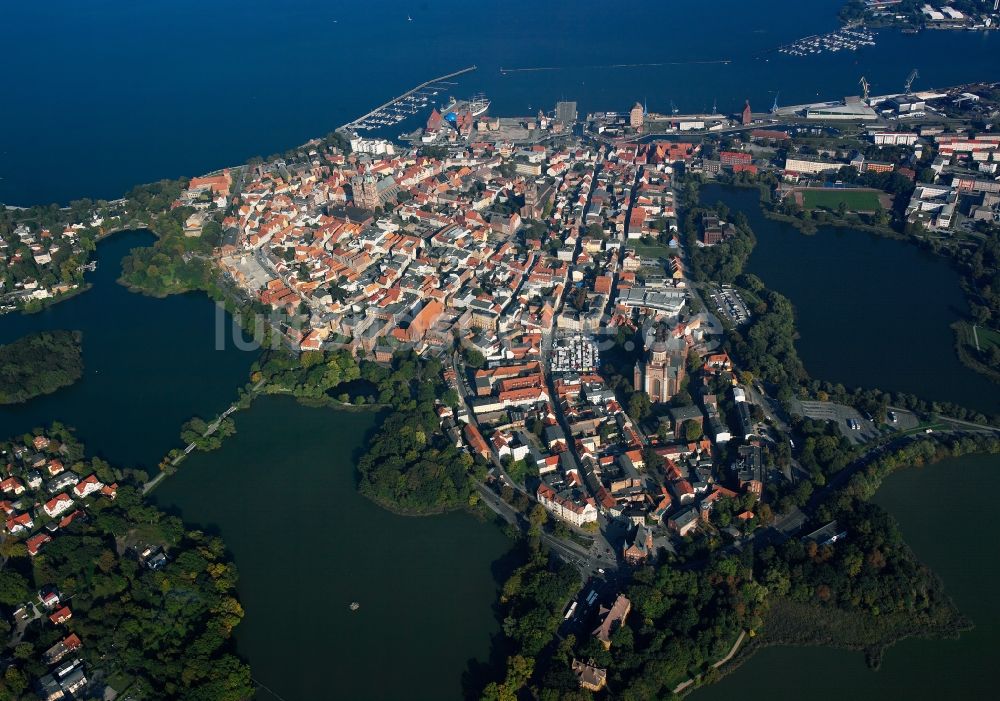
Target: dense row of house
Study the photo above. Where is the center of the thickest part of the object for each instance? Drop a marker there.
(377, 251)
(551, 407)
(40, 498)
(31, 260)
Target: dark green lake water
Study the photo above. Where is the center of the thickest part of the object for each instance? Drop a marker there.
(149, 364)
(951, 534)
(870, 311)
(282, 494)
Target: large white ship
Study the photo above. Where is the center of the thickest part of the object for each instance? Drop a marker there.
(477, 105)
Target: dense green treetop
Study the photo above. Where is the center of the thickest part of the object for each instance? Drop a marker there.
(39, 363)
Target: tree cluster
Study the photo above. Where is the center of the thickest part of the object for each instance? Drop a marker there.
(409, 465)
(195, 430)
(38, 364)
(532, 600)
(724, 261)
(767, 346)
(869, 572)
(175, 263)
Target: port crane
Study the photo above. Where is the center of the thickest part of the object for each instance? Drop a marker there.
(774, 107)
(865, 86)
(909, 81)
(673, 108)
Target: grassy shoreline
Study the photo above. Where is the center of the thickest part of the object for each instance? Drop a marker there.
(963, 343)
(803, 625)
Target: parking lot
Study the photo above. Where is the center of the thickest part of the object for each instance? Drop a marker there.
(901, 420)
(852, 424)
(729, 303)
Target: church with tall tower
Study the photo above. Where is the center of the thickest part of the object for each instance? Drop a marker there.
(662, 371)
(369, 192)
(365, 189)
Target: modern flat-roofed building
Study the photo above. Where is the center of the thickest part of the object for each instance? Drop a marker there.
(852, 108)
(663, 300)
(810, 165)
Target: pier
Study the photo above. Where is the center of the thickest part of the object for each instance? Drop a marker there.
(352, 124)
(693, 62)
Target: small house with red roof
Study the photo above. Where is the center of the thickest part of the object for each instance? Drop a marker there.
(49, 598)
(61, 616)
(57, 505)
(12, 485)
(88, 485)
(71, 643)
(35, 542)
(20, 523)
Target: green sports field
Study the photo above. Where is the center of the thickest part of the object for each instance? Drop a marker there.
(854, 200)
(987, 337)
(651, 250)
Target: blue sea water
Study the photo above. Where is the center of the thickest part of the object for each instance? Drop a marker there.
(102, 95)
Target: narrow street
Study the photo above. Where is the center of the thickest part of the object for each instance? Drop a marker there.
(600, 555)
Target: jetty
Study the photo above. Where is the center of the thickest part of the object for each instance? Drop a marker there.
(660, 64)
(399, 98)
